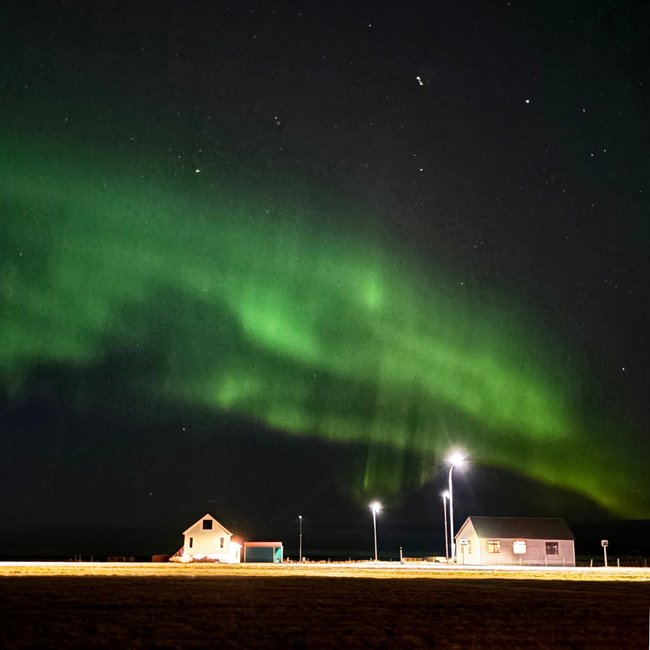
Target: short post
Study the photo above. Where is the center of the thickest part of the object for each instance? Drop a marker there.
(604, 543)
(401, 556)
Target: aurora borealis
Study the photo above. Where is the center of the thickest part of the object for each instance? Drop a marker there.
(238, 281)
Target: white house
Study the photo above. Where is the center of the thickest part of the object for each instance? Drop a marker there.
(515, 540)
(209, 541)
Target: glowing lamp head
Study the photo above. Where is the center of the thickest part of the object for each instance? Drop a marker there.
(445, 494)
(456, 458)
(375, 506)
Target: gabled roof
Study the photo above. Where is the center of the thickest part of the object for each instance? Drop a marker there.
(207, 516)
(524, 527)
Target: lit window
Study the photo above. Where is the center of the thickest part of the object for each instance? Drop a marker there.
(519, 547)
(494, 546)
(221, 542)
(552, 548)
(207, 524)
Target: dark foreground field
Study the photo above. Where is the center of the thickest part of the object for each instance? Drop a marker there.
(289, 609)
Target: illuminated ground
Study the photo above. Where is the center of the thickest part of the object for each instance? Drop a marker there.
(320, 606)
(384, 570)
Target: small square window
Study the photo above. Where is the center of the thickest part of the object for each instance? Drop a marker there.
(519, 547)
(552, 548)
(207, 524)
(494, 546)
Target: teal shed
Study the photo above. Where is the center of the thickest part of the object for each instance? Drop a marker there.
(271, 552)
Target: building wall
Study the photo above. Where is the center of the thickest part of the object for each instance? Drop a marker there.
(535, 552)
(214, 544)
(263, 554)
(469, 553)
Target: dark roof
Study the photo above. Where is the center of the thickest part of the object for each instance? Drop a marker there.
(524, 527)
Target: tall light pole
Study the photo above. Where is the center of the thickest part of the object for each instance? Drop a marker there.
(375, 506)
(445, 496)
(300, 539)
(455, 459)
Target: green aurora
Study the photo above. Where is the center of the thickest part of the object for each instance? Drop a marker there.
(267, 315)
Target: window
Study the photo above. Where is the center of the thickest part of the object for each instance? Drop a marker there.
(207, 524)
(494, 546)
(469, 546)
(191, 542)
(552, 548)
(519, 547)
(221, 542)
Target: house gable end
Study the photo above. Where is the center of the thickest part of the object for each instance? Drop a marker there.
(216, 527)
(466, 529)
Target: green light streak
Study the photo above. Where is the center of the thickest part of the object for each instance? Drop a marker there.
(328, 335)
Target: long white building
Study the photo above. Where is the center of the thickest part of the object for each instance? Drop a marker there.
(515, 541)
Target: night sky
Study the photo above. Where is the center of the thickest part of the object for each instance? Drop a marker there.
(263, 259)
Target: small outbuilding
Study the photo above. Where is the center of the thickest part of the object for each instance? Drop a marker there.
(515, 541)
(207, 540)
(270, 552)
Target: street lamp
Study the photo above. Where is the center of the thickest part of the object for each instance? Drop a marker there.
(375, 507)
(455, 459)
(445, 497)
(300, 540)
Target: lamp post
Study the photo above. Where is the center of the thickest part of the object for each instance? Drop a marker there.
(300, 539)
(455, 459)
(445, 496)
(375, 507)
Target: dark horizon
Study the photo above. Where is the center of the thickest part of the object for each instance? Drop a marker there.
(628, 543)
